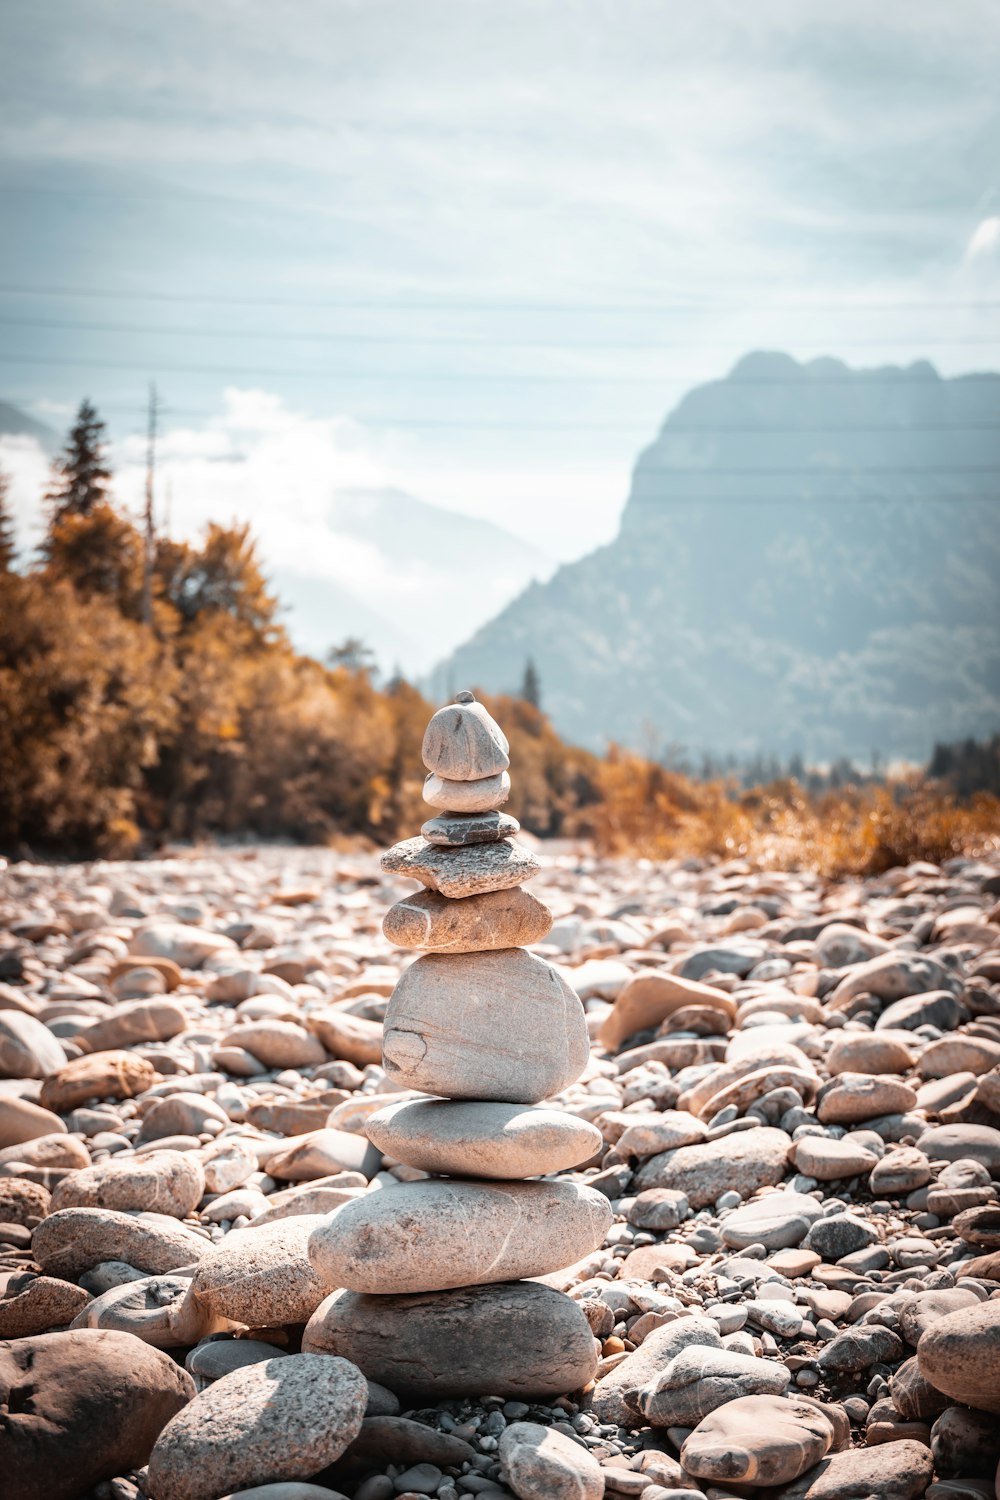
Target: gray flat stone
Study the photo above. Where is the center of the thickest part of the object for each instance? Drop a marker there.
(456, 830)
(462, 872)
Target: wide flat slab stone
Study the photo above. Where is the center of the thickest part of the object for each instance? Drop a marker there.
(519, 1339)
(462, 872)
(431, 1236)
(479, 1138)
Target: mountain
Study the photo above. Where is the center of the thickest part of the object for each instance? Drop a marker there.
(408, 577)
(16, 423)
(808, 562)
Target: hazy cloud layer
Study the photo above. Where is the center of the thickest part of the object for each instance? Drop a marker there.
(476, 187)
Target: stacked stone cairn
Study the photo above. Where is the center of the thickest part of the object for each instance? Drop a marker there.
(478, 1033)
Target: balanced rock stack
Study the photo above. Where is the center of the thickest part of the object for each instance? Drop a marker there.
(483, 1031)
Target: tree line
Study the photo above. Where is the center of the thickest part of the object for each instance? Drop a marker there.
(149, 692)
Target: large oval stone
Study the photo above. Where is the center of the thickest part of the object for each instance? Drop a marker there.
(502, 1025)
(650, 997)
(430, 1236)
(960, 1355)
(285, 1418)
(80, 1407)
(481, 1138)
(515, 1339)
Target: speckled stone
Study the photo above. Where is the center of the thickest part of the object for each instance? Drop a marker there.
(462, 872)
(283, 1419)
(456, 830)
(165, 1182)
(434, 1235)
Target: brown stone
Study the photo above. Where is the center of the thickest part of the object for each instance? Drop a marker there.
(510, 918)
(99, 1075)
(652, 996)
(80, 1407)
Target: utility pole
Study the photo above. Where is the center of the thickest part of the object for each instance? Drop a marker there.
(147, 572)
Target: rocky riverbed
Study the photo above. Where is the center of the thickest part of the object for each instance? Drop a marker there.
(793, 1096)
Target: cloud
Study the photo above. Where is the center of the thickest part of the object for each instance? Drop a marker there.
(985, 240)
(300, 482)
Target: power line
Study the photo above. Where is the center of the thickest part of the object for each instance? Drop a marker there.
(498, 305)
(829, 473)
(806, 500)
(861, 379)
(669, 430)
(313, 336)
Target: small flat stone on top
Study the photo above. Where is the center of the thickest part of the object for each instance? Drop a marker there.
(462, 872)
(455, 830)
(483, 795)
(464, 743)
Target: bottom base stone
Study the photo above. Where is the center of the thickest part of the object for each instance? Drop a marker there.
(512, 1339)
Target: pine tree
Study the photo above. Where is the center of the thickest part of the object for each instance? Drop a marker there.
(531, 687)
(80, 477)
(8, 541)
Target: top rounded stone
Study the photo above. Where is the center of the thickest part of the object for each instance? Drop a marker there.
(463, 742)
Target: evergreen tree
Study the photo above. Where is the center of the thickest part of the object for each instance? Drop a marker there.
(8, 542)
(531, 687)
(80, 477)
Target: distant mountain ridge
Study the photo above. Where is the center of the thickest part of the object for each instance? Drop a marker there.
(17, 423)
(412, 571)
(808, 562)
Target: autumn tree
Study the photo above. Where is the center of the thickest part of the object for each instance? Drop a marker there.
(98, 553)
(353, 654)
(8, 540)
(80, 476)
(223, 578)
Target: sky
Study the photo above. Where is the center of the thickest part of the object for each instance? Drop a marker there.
(472, 251)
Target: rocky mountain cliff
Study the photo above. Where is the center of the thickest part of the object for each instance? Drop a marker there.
(808, 562)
